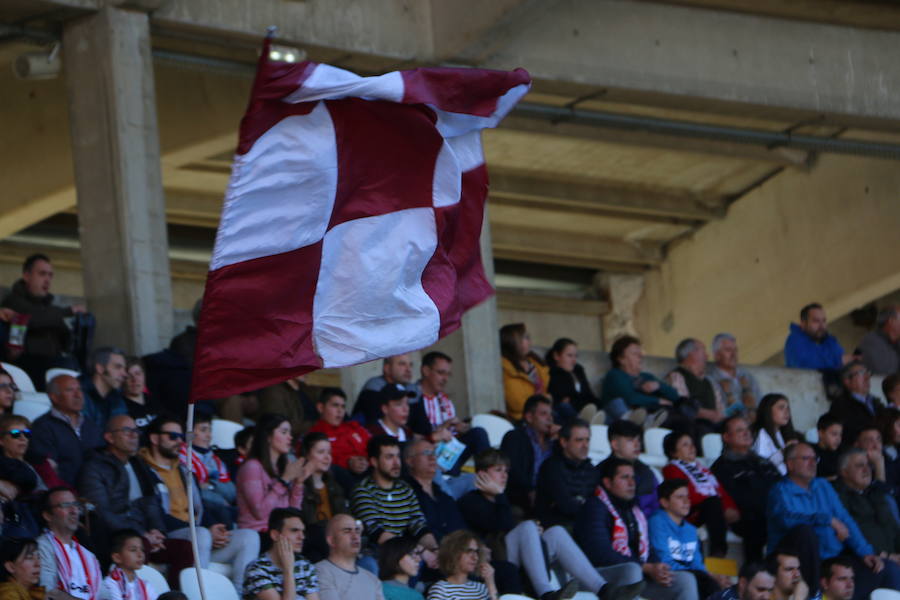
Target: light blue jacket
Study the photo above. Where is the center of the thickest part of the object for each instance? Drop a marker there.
(676, 545)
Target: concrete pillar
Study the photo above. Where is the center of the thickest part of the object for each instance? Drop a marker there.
(623, 291)
(121, 208)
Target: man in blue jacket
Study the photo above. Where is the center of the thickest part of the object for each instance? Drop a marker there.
(804, 512)
(809, 345)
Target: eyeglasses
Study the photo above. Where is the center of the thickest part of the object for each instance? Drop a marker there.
(173, 435)
(132, 431)
(72, 504)
(427, 453)
(9, 386)
(17, 433)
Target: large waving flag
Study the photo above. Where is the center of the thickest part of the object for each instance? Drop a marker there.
(351, 221)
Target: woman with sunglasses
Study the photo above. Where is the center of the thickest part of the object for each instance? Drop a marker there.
(399, 559)
(15, 434)
(461, 556)
(8, 391)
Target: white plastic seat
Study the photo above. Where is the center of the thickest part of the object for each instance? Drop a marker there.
(56, 372)
(884, 594)
(154, 578)
(654, 460)
(653, 441)
(599, 448)
(712, 446)
(221, 568)
(20, 377)
(39, 397)
(496, 427)
(812, 435)
(29, 409)
(223, 432)
(215, 585)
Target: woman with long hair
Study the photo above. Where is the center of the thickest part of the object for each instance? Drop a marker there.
(269, 478)
(773, 429)
(460, 556)
(399, 559)
(569, 385)
(524, 373)
(323, 496)
(20, 570)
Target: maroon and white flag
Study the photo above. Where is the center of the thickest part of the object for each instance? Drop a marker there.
(351, 221)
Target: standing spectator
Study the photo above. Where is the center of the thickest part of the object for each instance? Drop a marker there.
(626, 386)
(142, 407)
(64, 435)
(789, 584)
(101, 386)
(747, 478)
(855, 407)
(528, 446)
(773, 430)
(47, 337)
(8, 391)
(339, 576)
(696, 389)
(625, 442)
(739, 388)
(569, 386)
(398, 562)
(282, 573)
(881, 347)
(20, 571)
(810, 346)
(348, 438)
(524, 373)
(323, 496)
(711, 505)
(754, 583)
(567, 479)
(460, 557)
(123, 582)
(830, 430)
(66, 565)
(268, 479)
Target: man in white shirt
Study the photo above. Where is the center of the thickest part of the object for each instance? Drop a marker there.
(66, 565)
(340, 578)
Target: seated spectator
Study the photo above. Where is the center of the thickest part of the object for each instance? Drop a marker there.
(269, 479)
(291, 398)
(173, 484)
(866, 500)
(805, 513)
(66, 565)
(487, 513)
(747, 478)
(810, 346)
(612, 530)
(47, 337)
(674, 540)
(789, 584)
(711, 505)
(397, 371)
(460, 557)
(237, 456)
(439, 508)
(386, 504)
(529, 445)
(881, 347)
(122, 491)
(398, 562)
(869, 441)
(890, 385)
(889, 425)
(20, 570)
(773, 430)
(63, 435)
(8, 391)
(123, 582)
(433, 415)
(142, 407)
(567, 478)
(569, 386)
(15, 435)
(701, 398)
(17, 482)
(830, 430)
(323, 496)
(101, 386)
(217, 490)
(524, 373)
(754, 583)
(282, 573)
(394, 403)
(837, 582)
(738, 386)
(627, 387)
(625, 442)
(348, 438)
(339, 576)
(855, 407)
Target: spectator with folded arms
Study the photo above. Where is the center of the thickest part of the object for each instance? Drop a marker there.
(627, 387)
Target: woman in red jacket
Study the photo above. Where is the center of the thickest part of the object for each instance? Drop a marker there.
(710, 503)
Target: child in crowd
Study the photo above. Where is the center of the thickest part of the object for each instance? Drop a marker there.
(216, 488)
(827, 448)
(123, 583)
(674, 540)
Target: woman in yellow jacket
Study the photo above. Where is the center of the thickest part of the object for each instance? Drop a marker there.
(20, 570)
(524, 373)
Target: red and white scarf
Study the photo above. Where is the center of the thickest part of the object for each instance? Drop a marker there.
(89, 563)
(439, 408)
(700, 477)
(620, 530)
(200, 470)
(118, 575)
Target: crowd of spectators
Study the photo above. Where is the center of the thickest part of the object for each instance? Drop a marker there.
(400, 498)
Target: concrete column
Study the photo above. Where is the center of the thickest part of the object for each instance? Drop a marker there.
(121, 207)
(623, 291)
(477, 384)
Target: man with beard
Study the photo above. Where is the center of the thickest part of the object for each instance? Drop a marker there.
(339, 576)
(754, 583)
(789, 584)
(810, 346)
(103, 397)
(837, 581)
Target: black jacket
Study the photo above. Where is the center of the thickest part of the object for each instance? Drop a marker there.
(747, 479)
(517, 446)
(47, 334)
(854, 415)
(563, 486)
(55, 438)
(440, 510)
(562, 385)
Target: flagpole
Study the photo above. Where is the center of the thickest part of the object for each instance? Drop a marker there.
(192, 525)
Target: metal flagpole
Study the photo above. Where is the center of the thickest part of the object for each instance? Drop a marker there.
(189, 439)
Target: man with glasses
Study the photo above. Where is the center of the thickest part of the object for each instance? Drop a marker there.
(172, 484)
(856, 408)
(439, 508)
(340, 578)
(66, 565)
(805, 513)
(63, 435)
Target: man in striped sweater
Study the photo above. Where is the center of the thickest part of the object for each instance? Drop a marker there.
(387, 505)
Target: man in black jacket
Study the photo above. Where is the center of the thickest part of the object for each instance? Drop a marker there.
(527, 447)
(855, 408)
(567, 478)
(625, 442)
(747, 477)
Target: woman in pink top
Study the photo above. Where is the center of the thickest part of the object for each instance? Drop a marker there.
(268, 479)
